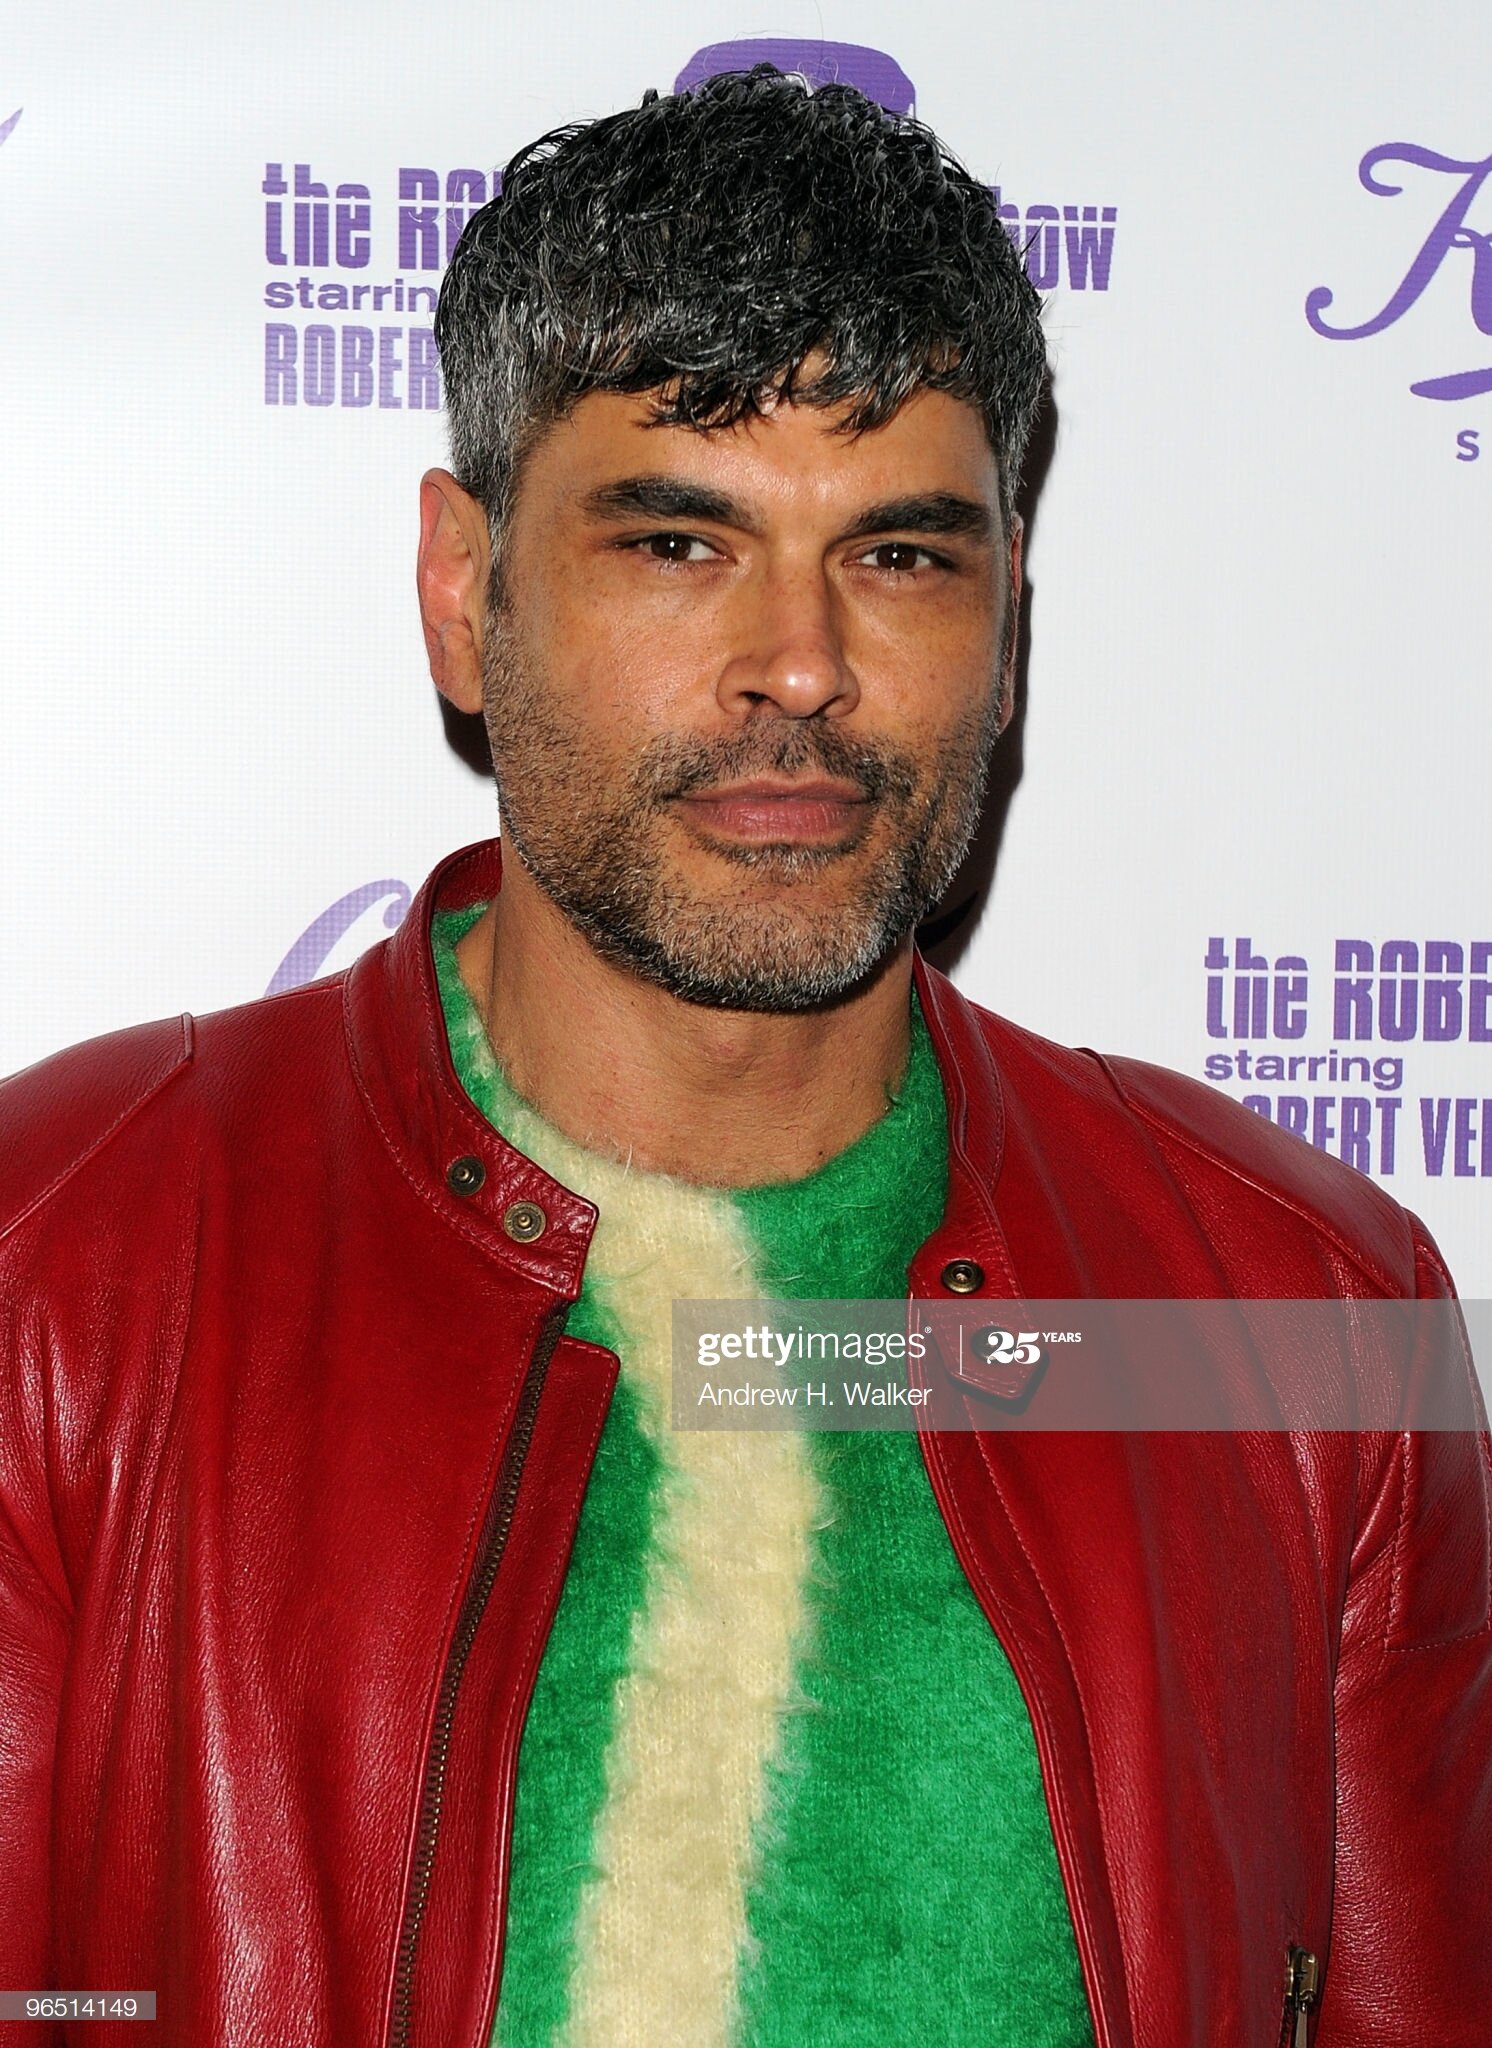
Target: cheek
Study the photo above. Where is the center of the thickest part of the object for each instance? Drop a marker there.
(936, 711)
(646, 643)
(929, 657)
(952, 750)
(633, 683)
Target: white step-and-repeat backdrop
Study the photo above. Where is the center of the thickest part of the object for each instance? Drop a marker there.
(1249, 838)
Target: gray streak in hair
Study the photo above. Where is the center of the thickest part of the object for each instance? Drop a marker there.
(703, 246)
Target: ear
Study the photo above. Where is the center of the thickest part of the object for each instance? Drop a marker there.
(453, 567)
(1010, 632)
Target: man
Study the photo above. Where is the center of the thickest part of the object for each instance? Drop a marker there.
(379, 1666)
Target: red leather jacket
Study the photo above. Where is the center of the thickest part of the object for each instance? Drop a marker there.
(291, 1452)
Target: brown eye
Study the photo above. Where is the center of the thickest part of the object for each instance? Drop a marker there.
(670, 547)
(899, 556)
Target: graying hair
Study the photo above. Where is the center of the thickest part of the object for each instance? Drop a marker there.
(702, 246)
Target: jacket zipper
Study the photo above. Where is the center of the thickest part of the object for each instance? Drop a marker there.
(1062, 1832)
(1302, 1984)
(499, 1521)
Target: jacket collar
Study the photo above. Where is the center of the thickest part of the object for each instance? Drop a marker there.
(972, 1088)
(439, 1139)
(400, 1056)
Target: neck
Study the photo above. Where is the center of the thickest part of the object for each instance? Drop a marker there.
(728, 1098)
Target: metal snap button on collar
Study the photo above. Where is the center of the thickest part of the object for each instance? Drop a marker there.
(524, 1221)
(962, 1276)
(465, 1175)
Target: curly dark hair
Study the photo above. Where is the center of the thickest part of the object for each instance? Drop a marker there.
(703, 245)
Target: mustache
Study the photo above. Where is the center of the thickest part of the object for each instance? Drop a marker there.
(673, 766)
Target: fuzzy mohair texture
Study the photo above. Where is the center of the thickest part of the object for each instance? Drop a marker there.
(777, 1787)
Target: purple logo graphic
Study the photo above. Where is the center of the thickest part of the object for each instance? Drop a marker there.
(1074, 244)
(364, 265)
(308, 955)
(6, 126)
(1449, 232)
(875, 74)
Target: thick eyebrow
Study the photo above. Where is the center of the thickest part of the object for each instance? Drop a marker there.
(669, 497)
(938, 512)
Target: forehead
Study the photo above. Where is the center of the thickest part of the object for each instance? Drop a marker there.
(792, 458)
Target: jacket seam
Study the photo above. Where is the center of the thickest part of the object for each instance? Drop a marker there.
(1056, 1620)
(96, 1144)
(1465, 1635)
(1381, 1279)
(1468, 1635)
(325, 986)
(1424, 1249)
(1401, 1527)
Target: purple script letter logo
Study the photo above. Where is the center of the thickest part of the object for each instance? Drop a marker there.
(8, 124)
(304, 960)
(1449, 232)
(878, 76)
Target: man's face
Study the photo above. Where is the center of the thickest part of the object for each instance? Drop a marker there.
(742, 686)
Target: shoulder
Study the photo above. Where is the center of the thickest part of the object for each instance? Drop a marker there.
(1225, 1139)
(1232, 1166)
(149, 1080)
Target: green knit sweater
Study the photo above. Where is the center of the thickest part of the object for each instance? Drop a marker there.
(777, 1787)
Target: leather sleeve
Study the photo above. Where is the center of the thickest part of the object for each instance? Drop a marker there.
(34, 1628)
(1411, 1943)
(54, 1117)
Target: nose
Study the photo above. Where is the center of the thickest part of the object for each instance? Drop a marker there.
(789, 649)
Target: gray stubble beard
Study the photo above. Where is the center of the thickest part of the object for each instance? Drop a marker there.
(593, 859)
